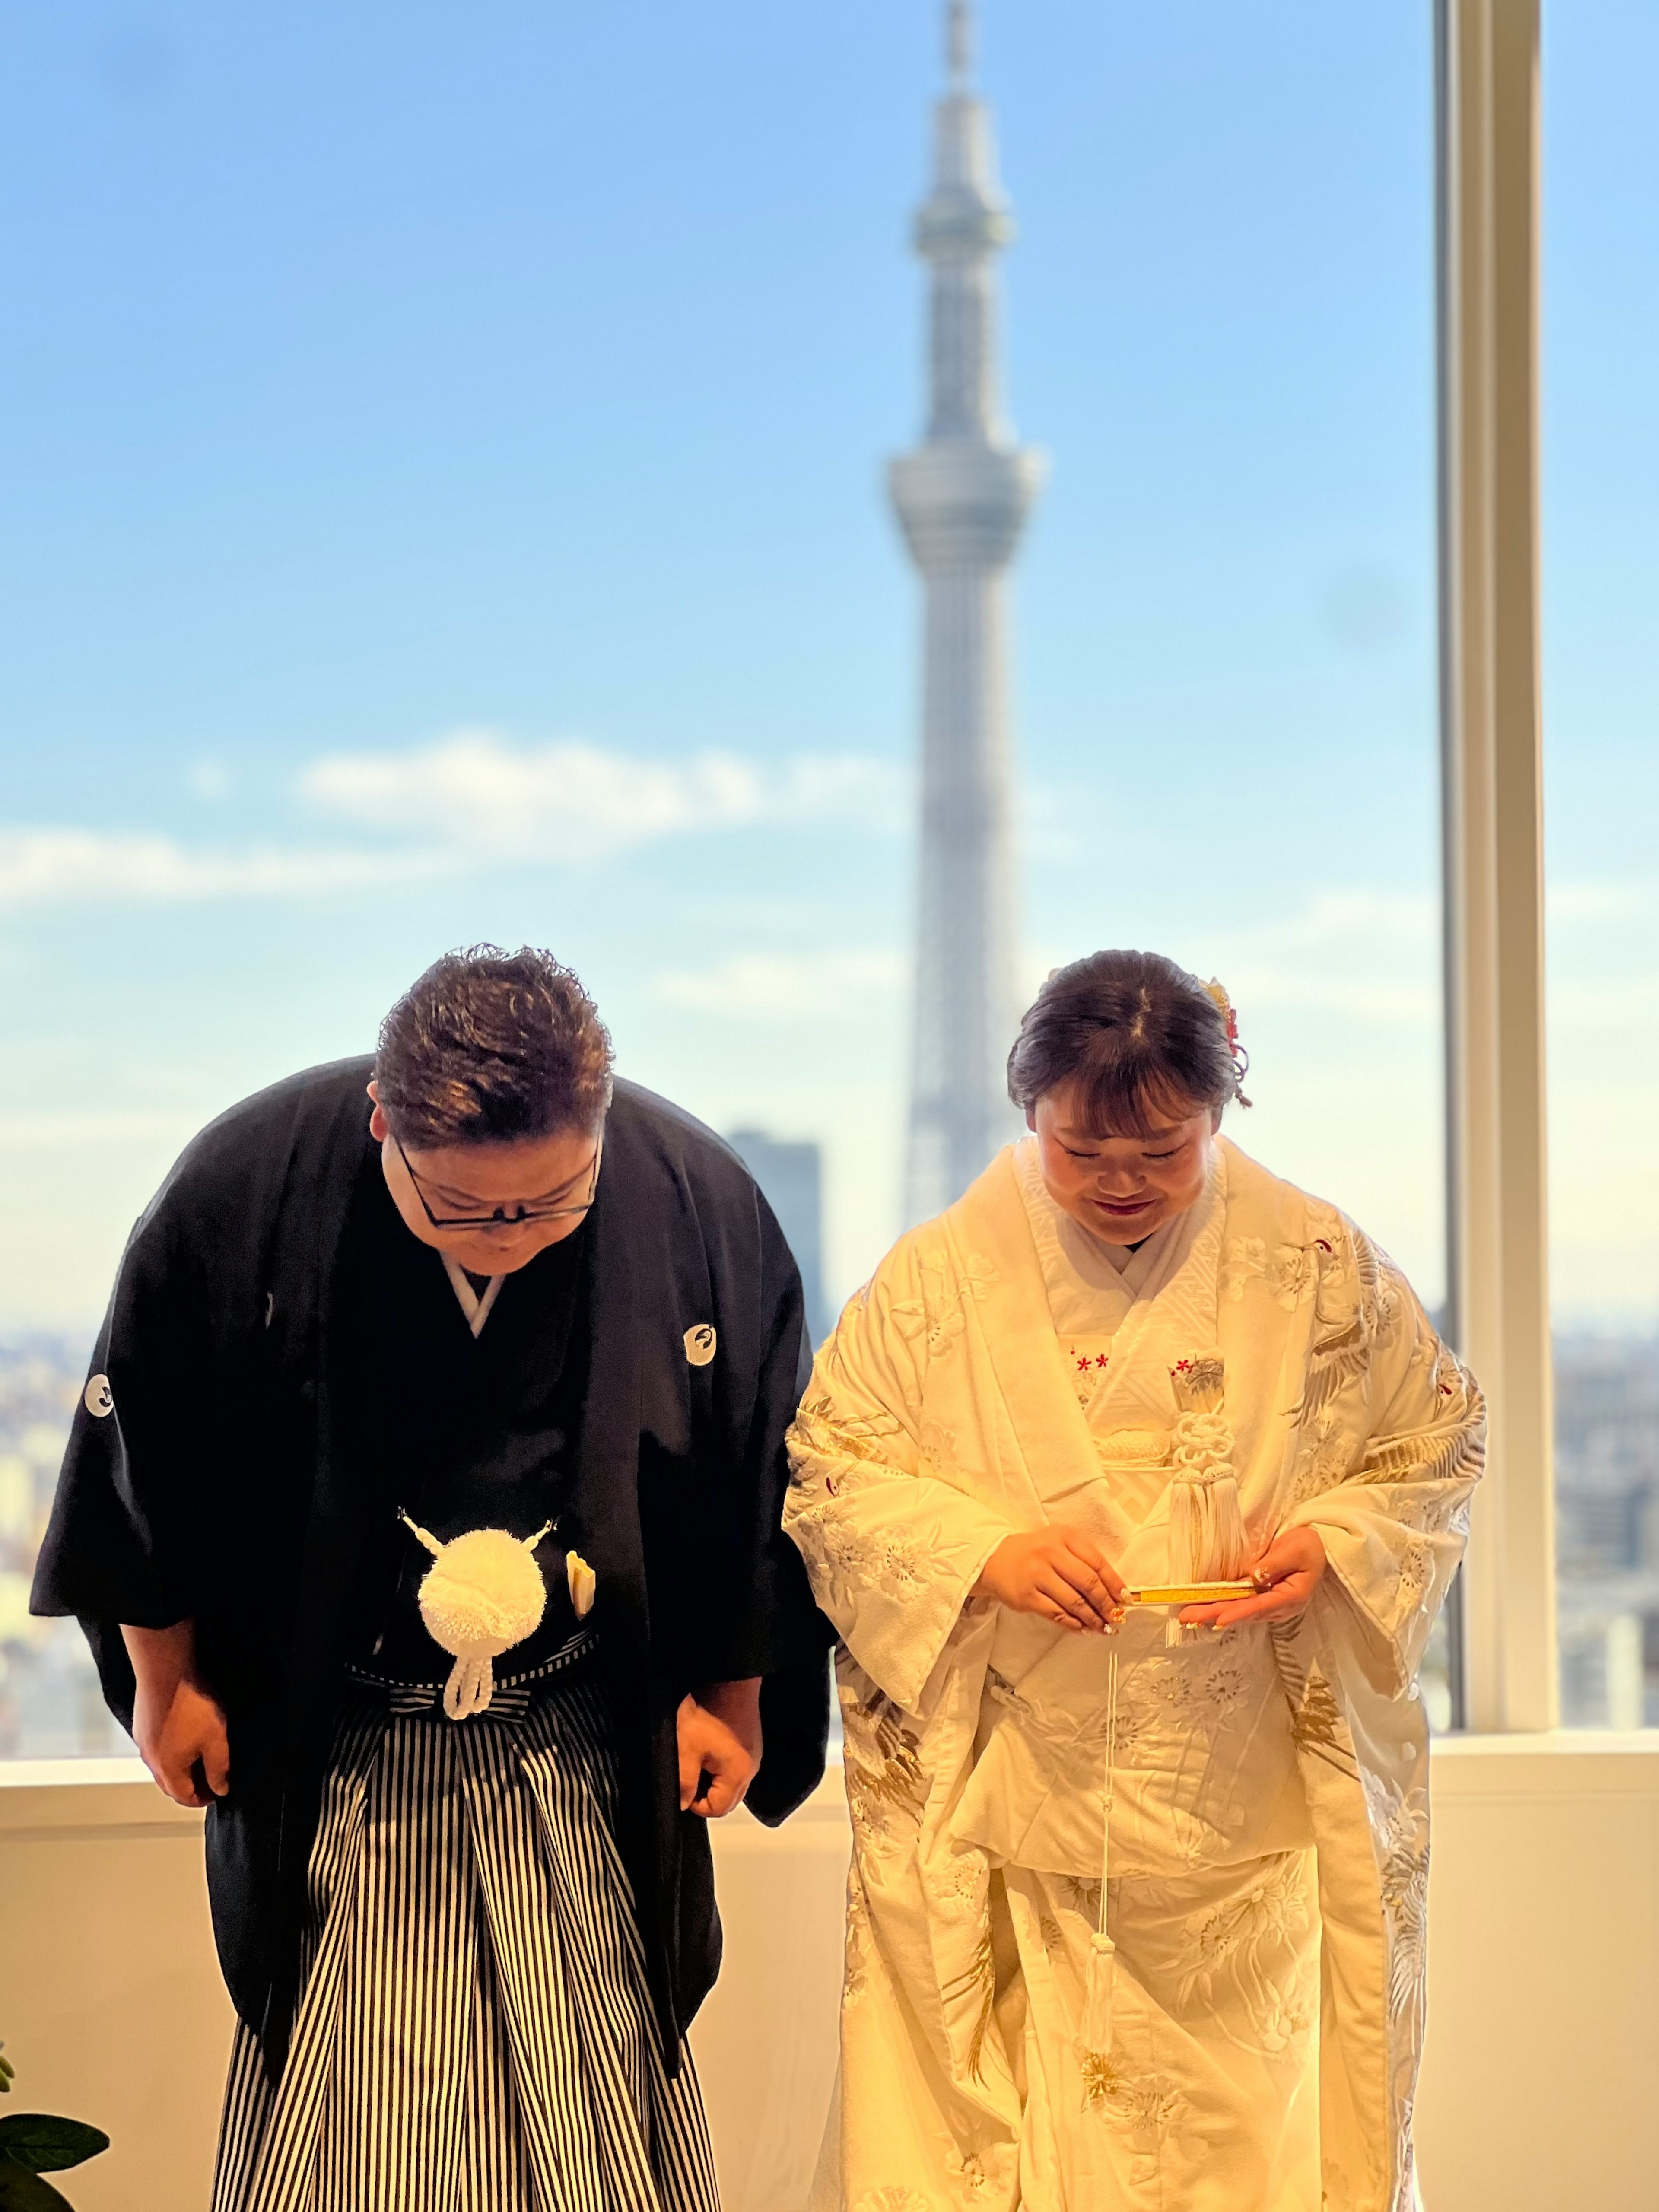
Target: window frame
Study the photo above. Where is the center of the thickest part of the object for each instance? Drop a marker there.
(1487, 153)
(1503, 1625)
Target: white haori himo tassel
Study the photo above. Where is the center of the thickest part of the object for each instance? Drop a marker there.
(1206, 1523)
(1096, 2036)
(1100, 1975)
(482, 1594)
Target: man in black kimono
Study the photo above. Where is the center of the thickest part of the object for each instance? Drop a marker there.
(457, 1844)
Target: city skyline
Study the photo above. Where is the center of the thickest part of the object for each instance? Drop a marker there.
(1607, 1520)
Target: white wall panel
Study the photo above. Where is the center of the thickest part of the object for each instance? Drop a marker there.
(1544, 1982)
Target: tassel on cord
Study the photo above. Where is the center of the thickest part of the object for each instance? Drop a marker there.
(470, 1687)
(1094, 2034)
(482, 1594)
(1206, 1529)
(1097, 2036)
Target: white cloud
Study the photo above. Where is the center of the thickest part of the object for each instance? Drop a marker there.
(1612, 899)
(43, 866)
(447, 808)
(1353, 996)
(1367, 955)
(208, 781)
(70, 1131)
(576, 801)
(1382, 920)
(783, 987)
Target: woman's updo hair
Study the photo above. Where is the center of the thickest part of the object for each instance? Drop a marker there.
(1138, 1036)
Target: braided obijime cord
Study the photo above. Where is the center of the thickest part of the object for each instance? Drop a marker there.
(1096, 2035)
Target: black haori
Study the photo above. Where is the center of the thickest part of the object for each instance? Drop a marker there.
(217, 1471)
(474, 2032)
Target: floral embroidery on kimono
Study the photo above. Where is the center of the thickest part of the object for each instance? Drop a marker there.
(949, 1409)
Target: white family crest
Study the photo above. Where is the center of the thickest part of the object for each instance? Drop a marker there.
(98, 1398)
(700, 1343)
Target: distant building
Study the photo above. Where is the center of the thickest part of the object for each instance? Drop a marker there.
(1607, 1506)
(792, 1176)
(50, 1706)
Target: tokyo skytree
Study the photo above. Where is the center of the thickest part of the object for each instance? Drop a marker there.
(962, 497)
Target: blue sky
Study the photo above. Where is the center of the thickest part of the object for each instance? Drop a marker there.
(439, 498)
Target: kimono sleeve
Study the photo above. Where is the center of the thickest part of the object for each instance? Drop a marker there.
(1396, 1524)
(768, 1624)
(892, 1549)
(119, 1544)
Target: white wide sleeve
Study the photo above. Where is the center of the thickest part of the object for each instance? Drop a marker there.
(892, 1547)
(1395, 1523)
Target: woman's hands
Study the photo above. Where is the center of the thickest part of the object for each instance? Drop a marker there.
(178, 1728)
(1058, 1573)
(1287, 1574)
(720, 1739)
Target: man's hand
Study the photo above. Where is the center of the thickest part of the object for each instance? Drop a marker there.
(180, 1729)
(1058, 1573)
(1287, 1574)
(720, 1737)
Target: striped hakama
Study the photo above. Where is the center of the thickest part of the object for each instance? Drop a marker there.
(474, 2032)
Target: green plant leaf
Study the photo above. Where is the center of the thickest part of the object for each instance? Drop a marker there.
(45, 2143)
(22, 2190)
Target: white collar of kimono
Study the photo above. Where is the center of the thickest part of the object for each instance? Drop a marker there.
(477, 1308)
(1262, 1327)
(1157, 1308)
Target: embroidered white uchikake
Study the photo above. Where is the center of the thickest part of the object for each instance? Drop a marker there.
(475, 1308)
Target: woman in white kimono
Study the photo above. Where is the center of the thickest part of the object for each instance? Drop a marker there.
(1130, 1356)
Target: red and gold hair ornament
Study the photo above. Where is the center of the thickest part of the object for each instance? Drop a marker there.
(1224, 1005)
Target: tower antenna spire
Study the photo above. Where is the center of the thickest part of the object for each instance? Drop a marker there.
(959, 43)
(963, 494)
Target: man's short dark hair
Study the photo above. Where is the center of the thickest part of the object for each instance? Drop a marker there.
(490, 1046)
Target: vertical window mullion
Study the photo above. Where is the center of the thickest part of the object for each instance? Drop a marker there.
(1498, 1301)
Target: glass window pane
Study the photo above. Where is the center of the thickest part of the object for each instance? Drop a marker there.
(1601, 678)
(50, 1707)
(444, 502)
(1222, 323)
(1227, 612)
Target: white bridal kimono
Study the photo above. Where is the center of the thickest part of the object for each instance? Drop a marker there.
(1269, 1824)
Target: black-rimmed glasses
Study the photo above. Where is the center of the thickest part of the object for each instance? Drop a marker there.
(501, 1219)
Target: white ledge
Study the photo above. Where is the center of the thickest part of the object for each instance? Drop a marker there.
(1566, 1764)
(1557, 1743)
(50, 1800)
(45, 1800)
